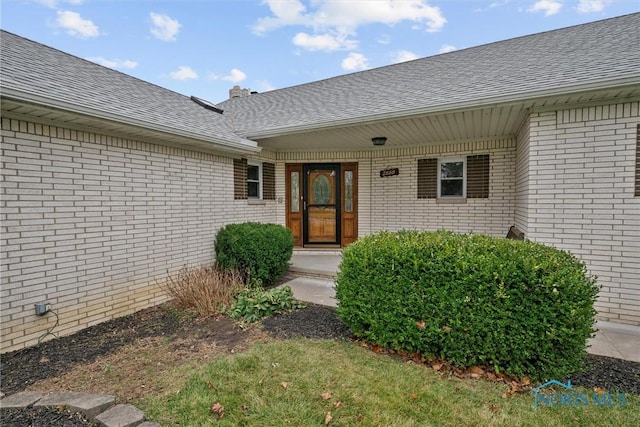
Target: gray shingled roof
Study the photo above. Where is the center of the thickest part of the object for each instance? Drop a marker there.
(561, 61)
(32, 69)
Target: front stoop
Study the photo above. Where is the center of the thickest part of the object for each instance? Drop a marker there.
(98, 407)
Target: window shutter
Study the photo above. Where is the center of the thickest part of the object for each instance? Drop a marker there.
(269, 181)
(239, 179)
(637, 193)
(427, 178)
(478, 177)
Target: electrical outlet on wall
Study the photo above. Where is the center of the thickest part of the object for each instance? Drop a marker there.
(42, 308)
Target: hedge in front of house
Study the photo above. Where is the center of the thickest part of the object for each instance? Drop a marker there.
(260, 251)
(516, 306)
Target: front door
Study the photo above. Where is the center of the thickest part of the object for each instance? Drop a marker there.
(322, 203)
(321, 195)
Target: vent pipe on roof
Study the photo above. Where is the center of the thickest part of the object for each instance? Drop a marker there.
(238, 92)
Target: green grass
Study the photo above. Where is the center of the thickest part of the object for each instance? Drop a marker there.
(372, 390)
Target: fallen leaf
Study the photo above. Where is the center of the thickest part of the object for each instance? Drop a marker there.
(217, 409)
(598, 390)
(447, 328)
(359, 417)
(337, 404)
(284, 385)
(414, 396)
(326, 396)
(436, 366)
(491, 376)
(421, 324)
(526, 380)
(476, 370)
(245, 408)
(328, 418)
(494, 408)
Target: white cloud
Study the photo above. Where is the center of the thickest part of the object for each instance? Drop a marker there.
(549, 7)
(234, 76)
(164, 27)
(446, 48)
(183, 73)
(589, 6)
(355, 62)
(76, 25)
(384, 39)
(115, 63)
(341, 19)
(265, 86)
(325, 42)
(404, 56)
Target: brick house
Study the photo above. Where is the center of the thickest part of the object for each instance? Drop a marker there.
(109, 181)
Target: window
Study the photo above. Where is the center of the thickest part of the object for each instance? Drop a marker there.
(451, 177)
(454, 177)
(253, 180)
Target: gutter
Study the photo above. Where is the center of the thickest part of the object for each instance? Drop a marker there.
(450, 108)
(242, 146)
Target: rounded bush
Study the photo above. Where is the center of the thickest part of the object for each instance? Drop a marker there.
(517, 306)
(260, 251)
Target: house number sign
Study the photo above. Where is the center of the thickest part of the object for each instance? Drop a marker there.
(389, 172)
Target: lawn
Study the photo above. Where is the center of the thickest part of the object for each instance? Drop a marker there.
(316, 382)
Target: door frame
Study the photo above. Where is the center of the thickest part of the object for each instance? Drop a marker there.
(295, 216)
(306, 168)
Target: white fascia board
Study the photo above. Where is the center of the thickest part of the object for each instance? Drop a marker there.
(524, 98)
(243, 145)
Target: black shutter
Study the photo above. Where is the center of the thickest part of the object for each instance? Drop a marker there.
(269, 181)
(239, 179)
(427, 178)
(478, 177)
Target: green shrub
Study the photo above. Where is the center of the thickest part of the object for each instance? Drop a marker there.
(260, 251)
(254, 303)
(516, 306)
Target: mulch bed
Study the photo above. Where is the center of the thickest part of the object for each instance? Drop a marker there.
(22, 368)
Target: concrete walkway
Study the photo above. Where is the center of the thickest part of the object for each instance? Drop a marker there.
(611, 340)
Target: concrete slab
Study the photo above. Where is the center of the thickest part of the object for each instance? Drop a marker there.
(313, 290)
(121, 416)
(21, 400)
(616, 340)
(92, 404)
(58, 399)
(315, 263)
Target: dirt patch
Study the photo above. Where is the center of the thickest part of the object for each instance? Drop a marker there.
(129, 357)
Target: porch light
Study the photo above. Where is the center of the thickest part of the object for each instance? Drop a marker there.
(379, 140)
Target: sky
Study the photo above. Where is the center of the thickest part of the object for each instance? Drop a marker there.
(205, 47)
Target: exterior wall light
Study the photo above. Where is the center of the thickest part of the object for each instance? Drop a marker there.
(379, 140)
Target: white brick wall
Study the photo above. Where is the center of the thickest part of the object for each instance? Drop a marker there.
(90, 222)
(581, 197)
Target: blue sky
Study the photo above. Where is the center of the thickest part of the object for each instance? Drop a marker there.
(203, 48)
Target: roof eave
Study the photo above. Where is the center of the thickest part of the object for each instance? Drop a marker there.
(246, 146)
(516, 98)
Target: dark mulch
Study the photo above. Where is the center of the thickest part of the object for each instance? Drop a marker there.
(22, 368)
(44, 417)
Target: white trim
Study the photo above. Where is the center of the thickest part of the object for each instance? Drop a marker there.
(526, 99)
(243, 145)
(260, 180)
(456, 159)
